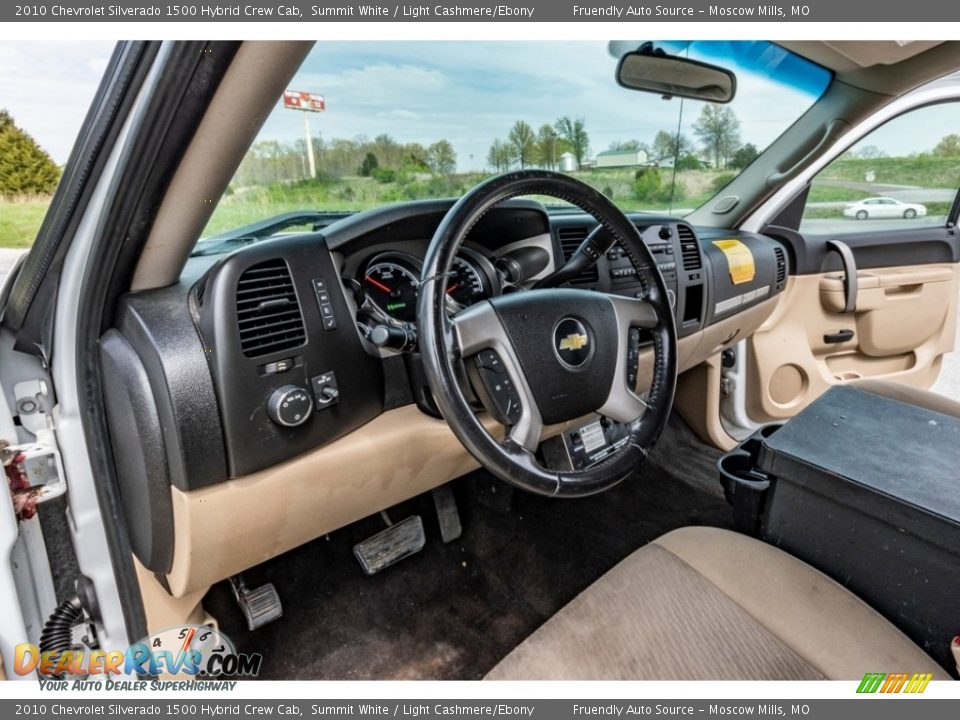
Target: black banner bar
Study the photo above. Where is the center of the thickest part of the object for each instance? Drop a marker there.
(305, 11)
(188, 708)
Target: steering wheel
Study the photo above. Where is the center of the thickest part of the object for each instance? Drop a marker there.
(553, 354)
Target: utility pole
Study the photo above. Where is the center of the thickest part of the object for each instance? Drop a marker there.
(306, 102)
(311, 162)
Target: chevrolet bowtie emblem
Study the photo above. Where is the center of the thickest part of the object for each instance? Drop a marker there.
(574, 341)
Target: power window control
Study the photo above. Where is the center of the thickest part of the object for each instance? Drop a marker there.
(325, 390)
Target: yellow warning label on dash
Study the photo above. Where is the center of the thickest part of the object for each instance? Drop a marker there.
(740, 260)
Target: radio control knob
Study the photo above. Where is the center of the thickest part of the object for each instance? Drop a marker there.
(290, 406)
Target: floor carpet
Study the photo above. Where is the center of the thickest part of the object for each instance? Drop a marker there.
(453, 611)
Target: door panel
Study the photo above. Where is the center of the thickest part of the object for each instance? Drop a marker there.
(898, 309)
(905, 321)
(902, 317)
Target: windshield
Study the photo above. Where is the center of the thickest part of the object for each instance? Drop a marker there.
(370, 123)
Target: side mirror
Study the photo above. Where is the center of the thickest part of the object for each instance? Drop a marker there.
(654, 71)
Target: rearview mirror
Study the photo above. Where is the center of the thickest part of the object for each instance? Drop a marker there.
(653, 71)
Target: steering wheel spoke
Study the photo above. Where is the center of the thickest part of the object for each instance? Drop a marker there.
(623, 403)
(634, 312)
(482, 343)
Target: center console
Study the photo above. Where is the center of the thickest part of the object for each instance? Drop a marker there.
(865, 489)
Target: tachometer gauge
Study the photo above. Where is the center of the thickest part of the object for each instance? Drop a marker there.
(392, 287)
(466, 284)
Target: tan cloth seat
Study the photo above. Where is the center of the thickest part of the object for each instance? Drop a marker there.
(909, 394)
(709, 604)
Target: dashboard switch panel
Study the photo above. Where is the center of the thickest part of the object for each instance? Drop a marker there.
(325, 390)
(326, 306)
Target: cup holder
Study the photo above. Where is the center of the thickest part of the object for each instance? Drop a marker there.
(754, 444)
(744, 484)
(737, 470)
(768, 430)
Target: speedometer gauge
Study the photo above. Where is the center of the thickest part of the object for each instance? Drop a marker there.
(393, 288)
(466, 284)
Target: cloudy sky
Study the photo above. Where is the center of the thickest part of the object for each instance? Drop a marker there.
(47, 87)
(469, 93)
(473, 93)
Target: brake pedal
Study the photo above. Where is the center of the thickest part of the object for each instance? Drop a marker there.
(447, 513)
(390, 546)
(260, 605)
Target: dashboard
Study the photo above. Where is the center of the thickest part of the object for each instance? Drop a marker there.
(285, 346)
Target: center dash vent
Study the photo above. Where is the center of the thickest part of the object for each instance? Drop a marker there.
(689, 248)
(570, 239)
(781, 264)
(268, 313)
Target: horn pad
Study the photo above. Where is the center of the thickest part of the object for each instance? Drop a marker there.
(567, 345)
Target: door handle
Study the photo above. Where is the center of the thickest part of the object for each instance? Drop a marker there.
(840, 336)
(849, 273)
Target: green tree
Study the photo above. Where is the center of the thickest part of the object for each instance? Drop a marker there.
(689, 162)
(718, 130)
(670, 145)
(25, 168)
(575, 134)
(523, 142)
(442, 158)
(650, 185)
(368, 165)
(870, 152)
(949, 146)
(500, 156)
(549, 147)
(744, 156)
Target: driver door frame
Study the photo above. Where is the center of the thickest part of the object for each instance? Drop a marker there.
(734, 407)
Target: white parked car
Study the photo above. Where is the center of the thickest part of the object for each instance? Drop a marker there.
(883, 207)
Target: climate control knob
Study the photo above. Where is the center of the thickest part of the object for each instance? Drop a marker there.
(290, 406)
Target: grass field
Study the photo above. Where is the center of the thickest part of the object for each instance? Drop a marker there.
(20, 219)
(358, 193)
(921, 171)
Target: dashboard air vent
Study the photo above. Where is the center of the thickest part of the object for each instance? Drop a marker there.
(689, 248)
(268, 312)
(570, 239)
(781, 264)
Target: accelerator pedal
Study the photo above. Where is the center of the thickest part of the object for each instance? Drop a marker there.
(260, 605)
(390, 546)
(447, 514)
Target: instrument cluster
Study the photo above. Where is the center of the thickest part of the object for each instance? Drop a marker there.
(391, 282)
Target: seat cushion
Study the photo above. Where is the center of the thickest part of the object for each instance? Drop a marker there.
(709, 604)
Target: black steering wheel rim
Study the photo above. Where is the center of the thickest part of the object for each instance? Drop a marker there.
(438, 338)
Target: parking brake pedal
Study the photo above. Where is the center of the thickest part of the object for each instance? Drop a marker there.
(390, 546)
(260, 605)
